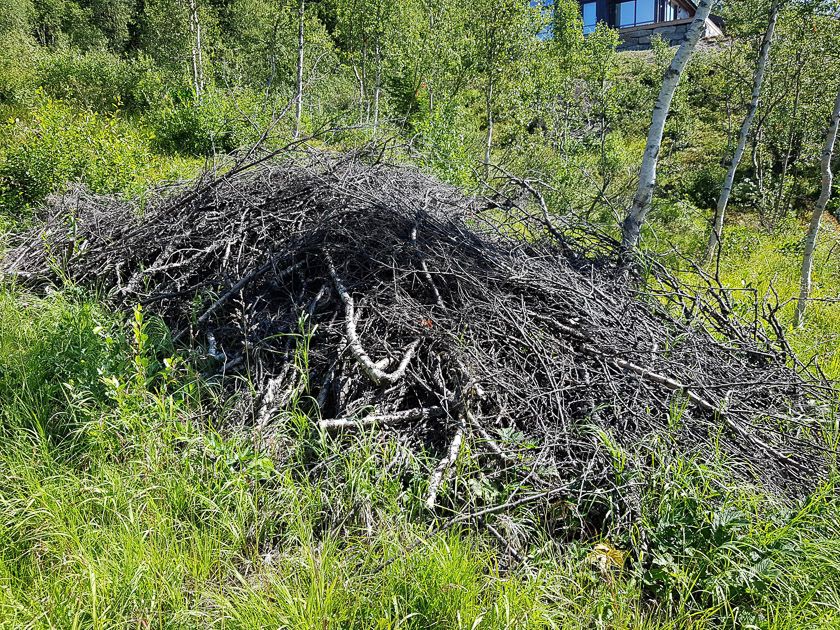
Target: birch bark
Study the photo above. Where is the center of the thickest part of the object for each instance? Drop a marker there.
(632, 226)
(816, 217)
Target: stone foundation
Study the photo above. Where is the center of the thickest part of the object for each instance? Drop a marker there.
(638, 37)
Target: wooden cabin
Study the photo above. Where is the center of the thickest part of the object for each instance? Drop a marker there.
(639, 20)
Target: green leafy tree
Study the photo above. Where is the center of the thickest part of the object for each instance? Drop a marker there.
(501, 31)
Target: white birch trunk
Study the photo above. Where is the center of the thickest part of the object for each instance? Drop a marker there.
(726, 191)
(632, 226)
(816, 217)
(377, 90)
(197, 64)
(299, 81)
(488, 143)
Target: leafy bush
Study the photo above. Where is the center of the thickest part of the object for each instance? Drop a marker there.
(183, 125)
(703, 187)
(18, 59)
(95, 80)
(58, 145)
(39, 366)
(448, 148)
(220, 122)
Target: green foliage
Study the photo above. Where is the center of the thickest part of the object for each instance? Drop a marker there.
(704, 185)
(446, 149)
(728, 549)
(95, 80)
(58, 144)
(219, 123)
(165, 36)
(18, 69)
(51, 351)
(194, 128)
(17, 17)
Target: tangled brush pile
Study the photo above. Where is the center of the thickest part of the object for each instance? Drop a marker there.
(471, 329)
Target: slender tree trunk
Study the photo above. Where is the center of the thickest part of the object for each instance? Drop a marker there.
(377, 90)
(361, 81)
(794, 119)
(822, 202)
(632, 226)
(488, 144)
(726, 191)
(299, 82)
(197, 64)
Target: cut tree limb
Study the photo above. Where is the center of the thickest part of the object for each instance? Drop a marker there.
(354, 344)
(444, 466)
(381, 420)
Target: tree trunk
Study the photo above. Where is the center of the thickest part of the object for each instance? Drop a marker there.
(299, 82)
(632, 226)
(377, 88)
(822, 202)
(197, 64)
(488, 144)
(726, 191)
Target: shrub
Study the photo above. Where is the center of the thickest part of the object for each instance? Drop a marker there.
(17, 68)
(184, 125)
(58, 145)
(95, 80)
(39, 366)
(704, 185)
(220, 122)
(447, 147)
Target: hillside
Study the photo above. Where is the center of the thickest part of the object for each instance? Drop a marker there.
(331, 315)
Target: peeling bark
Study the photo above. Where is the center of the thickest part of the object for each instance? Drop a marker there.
(816, 217)
(632, 226)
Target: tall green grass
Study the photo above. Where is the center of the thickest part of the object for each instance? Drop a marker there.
(758, 263)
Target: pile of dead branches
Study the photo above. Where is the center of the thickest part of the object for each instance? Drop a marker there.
(448, 320)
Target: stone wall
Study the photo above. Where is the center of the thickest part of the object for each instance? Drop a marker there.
(638, 37)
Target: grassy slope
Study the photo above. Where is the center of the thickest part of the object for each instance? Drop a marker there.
(123, 506)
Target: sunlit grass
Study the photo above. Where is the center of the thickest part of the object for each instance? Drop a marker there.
(763, 264)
